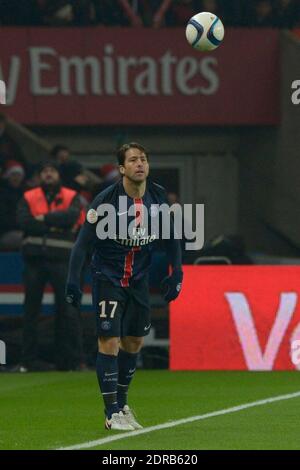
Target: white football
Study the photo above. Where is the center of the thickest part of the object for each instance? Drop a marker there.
(205, 31)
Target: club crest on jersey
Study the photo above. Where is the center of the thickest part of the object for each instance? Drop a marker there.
(106, 325)
(92, 216)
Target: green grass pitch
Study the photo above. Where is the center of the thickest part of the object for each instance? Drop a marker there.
(52, 410)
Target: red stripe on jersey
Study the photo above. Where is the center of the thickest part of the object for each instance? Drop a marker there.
(128, 268)
(129, 258)
(138, 209)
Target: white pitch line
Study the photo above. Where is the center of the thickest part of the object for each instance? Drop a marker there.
(171, 424)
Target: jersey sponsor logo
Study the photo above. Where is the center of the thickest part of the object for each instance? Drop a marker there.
(147, 327)
(136, 241)
(92, 216)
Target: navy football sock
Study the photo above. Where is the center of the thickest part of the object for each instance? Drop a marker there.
(107, 373)
(127, 366)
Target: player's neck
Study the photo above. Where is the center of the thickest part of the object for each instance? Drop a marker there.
(134, 190)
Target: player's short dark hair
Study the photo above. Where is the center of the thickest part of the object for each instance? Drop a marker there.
(132, 145)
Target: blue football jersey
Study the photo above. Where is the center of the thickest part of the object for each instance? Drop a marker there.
(125, 254)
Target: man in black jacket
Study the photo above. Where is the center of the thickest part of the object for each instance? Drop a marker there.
(11, 191)
(49, 216)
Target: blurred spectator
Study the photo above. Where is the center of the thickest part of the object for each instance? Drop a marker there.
(73, 176)
(151, 13)
(110, 174)
(61, 154)
(236, 12)
(33, 177)
(9, 150)
(155, 12)
(49, 215)
(72, 173)
(131, 11)
(210, 5)
(121, 13)
(287, 13)
(262, 14)
(18, 13)
(11, 191)
(181, 11)
(70, 170)
(54, 12)
(85, 12)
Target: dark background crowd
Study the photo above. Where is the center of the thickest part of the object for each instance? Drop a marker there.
(149, 13)
(17, 176)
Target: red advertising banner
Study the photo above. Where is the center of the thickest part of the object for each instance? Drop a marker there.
(124, 76)
(236, 318)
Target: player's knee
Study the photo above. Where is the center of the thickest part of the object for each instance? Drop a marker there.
(132, 344)
(109, 345)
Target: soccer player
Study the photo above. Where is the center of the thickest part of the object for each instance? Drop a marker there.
(120, 277)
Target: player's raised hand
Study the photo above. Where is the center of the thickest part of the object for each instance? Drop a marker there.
(171, 285)
(73, 295)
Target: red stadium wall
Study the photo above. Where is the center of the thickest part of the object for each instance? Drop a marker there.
(235, 318)
(114, 76)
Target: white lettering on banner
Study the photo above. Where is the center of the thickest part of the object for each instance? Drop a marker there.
(146, 82)
(112, 74)
(124, 65)
(207, 71)
(2, 92)
(109, 71)
(36, 67)
(185, 71)
(12, 80)
(81, 74)
(241, 313)
(166, 61)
